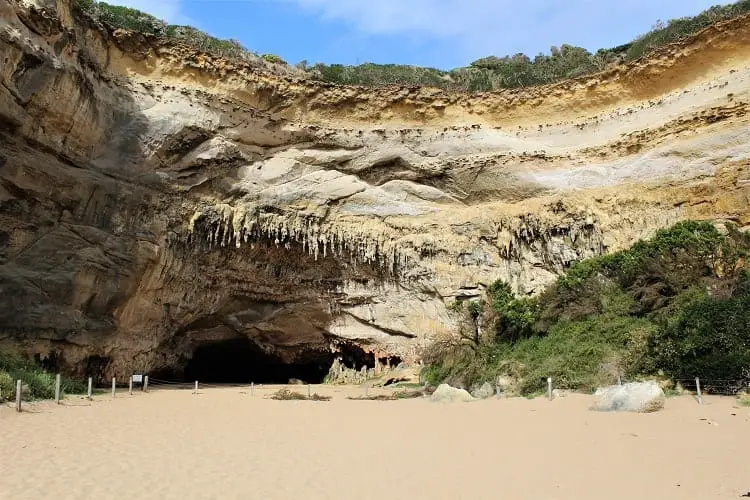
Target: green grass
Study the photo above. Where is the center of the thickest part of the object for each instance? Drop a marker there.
(37, 383)
(744, 400)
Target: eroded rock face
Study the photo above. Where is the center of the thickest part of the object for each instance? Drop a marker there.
(154, 199)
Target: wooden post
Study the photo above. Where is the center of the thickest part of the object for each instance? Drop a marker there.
(549, 388)
(90, 387)
(145, 383)
(57, 388)
(698, 390)
(114, 386)
(196, 388)
(130, 386)
(18, 395)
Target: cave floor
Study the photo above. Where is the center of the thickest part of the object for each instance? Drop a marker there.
(226, 443)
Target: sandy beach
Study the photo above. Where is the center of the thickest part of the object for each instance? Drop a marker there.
(225, 443)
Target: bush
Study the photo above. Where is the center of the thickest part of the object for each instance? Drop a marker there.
(677, 29)
(379, 74)
(38, 384)
(7, 386)
(514, 318)
(710, 339)
(582, 355)
(482, 75)
(492, 73)
(677, 304)
(273, 58)
(119, 17)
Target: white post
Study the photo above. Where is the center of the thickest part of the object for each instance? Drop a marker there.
(114, 386)
(145, 383)
(196, 388)
(130, 386)
(252, 388)
(18, 395)
(619, 380)
(90, 387)
(698, 389)
(308, 391)
(549, 388)
(57, 388)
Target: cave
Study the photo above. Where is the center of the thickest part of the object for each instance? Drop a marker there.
(392, 361)
(241, 361)
(354, 357)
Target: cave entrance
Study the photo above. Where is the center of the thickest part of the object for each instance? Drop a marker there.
(354, 357)
(241, 361)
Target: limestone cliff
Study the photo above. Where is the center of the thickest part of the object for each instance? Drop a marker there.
(154, 198)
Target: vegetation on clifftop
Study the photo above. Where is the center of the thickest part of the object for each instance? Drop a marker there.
(486, 74)
(675, 306)
(119, 17)
(492, 73)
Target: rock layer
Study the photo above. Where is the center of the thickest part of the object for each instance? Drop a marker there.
(154, 198)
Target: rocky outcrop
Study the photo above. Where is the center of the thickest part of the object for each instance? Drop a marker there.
(154, 199)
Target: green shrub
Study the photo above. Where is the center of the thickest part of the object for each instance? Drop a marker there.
(379, 74)
(677, 29)
(581, 355)
(38, 384)
(492, 73)
(677, 304)
(273, 58)
(127, 18)
(7, 386)
(485, 74)
(710, 339)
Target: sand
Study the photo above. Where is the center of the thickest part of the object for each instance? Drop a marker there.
(224, 443)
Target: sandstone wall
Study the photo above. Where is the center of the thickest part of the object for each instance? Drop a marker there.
(154, 198)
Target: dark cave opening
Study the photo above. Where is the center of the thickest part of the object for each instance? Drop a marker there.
(241, 361)
(392, 361)
(353, 356)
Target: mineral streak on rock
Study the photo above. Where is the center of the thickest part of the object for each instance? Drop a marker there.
(154, 199)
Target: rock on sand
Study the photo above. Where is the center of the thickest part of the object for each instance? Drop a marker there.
(641, 397)
(447, 394)
(485, 391)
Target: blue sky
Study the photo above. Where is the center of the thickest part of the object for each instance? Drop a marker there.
(438, 33)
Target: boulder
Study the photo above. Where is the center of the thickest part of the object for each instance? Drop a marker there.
(641, 397)
(448, 394)
(508, 386)
(485, 391)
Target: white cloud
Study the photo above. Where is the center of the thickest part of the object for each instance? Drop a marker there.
(167, 10)
(483, 27)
